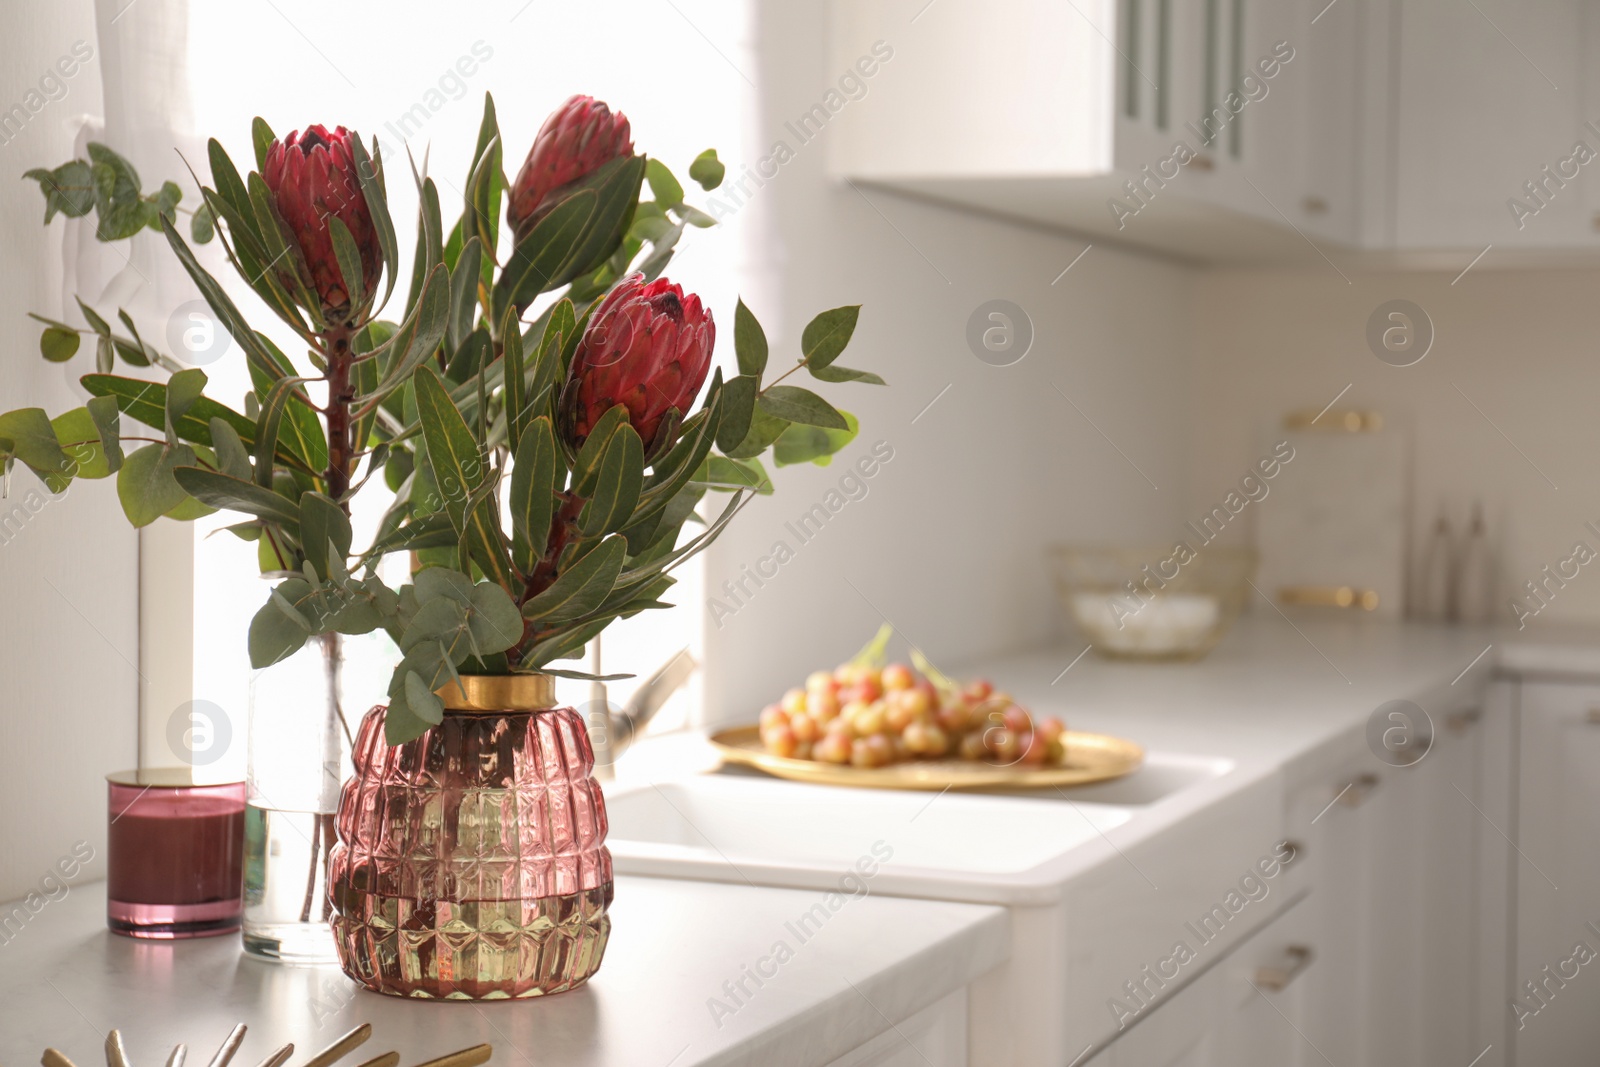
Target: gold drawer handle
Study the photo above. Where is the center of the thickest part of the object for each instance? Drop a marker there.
(1330, 596)
(1360, 788)
(1594, 716)
(1275, 977)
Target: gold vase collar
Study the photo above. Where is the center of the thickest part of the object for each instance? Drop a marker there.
(499, 692)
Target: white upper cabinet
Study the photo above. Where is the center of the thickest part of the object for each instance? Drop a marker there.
(1160, 123)
(1239, 130)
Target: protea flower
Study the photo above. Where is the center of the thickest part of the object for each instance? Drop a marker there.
(579, 137)
(647, 347)
(312, 176)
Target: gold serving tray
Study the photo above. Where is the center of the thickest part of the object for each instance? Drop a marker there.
(1089, 758)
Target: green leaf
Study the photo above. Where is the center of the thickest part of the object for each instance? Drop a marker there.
(58, 345)
(300, 434)
(516, 384)
(459, 468)
(586, 469)
(117, 195)
(146, 485)
(539, 260)
(323, 526)
(232, 457)
(801, 405)
(695, 217)
(96, 323)
(663, 186)
(738, 408)
(494, 622)
(370, 173)
(267, 427)
(430, 531)
(202, 225)
(430, 239)
(106, 416)
(189, 510)
(837, 373)
(550, 362)
(812, 444)
(146, 402)
(764, 430)
(233, 193)
(422, 701)
(749, 341)
(707, 170)
(464, 292)
(730, 475)
(261, 138)
(233, 494)
(582, 587)
(167, 199)
(69, 189)
(349, 259)
(617, 484)
(826, 335)
(533, 487)
(80, 442)
(33, 440)
(416, 339)
(564, 644)
(274, 636)
(183, 389)
(439, 619)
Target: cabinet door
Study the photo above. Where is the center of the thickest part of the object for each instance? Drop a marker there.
(1243, 1012)
(1393, 855)
(1558, 843)
(1490, 93)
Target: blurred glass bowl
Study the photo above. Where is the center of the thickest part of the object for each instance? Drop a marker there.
(1152, 603)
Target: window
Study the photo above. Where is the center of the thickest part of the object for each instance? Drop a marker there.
(417, 83)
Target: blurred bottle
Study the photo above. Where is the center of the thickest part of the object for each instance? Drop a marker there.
(1474, 578)
(1434, 589)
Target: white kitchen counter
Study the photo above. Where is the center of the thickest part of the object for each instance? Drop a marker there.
(65, 981)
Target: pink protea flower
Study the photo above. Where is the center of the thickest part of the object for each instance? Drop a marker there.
(648, 347)
(578, 138)
(312, 176)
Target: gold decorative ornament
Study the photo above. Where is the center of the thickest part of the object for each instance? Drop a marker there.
(490, 693)
(117, 1055)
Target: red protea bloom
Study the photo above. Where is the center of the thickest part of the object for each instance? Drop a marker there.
(312, 176)
(647, 347)
(579, 137)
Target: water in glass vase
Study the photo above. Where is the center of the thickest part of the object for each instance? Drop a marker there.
(286, 907)
(299, 757)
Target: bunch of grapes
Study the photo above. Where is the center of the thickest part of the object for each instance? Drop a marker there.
(868, 717)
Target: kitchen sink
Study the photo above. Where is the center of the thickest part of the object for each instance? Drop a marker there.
(734, 825)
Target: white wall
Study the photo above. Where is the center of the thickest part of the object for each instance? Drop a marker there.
(1518, 344)
(68, 574)
(948, 542)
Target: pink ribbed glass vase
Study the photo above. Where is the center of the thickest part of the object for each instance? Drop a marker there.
(471, 862)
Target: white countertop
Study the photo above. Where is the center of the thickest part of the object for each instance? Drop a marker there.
(1275, 687)
(65, 981)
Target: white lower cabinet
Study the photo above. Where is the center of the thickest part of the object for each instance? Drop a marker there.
(936, 1036)
(1555, 979)
(1243, 1012)
(1393, 945)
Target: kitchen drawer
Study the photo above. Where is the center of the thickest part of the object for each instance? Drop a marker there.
(1244, 1011)
(936, 1036)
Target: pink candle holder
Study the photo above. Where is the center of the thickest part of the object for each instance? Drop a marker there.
(175, 855)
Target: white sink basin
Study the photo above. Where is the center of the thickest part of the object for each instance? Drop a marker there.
(987, 846)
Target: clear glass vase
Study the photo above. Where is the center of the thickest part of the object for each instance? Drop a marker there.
(299, 756)
(471, 862)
